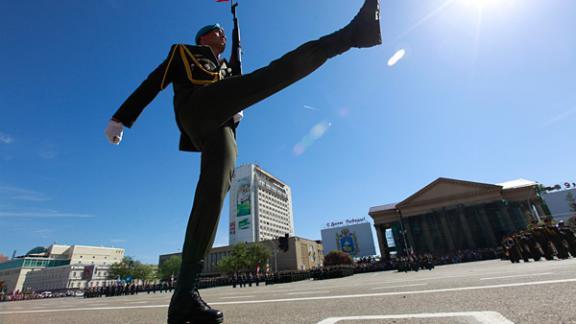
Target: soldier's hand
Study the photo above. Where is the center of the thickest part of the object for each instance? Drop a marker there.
(114, 132)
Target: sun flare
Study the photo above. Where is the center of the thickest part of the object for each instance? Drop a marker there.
(487, 4)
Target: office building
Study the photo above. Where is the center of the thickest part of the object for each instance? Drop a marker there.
(260, 206)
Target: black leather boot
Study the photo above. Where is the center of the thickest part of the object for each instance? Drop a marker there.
(364, 29)
(189, 308)
(186, 305)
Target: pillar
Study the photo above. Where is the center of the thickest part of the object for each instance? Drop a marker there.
(446, 231)
(466, 229)
(488, 231)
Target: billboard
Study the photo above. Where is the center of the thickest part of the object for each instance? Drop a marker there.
(241, 210)
(355, 240)
(243, 203)
(562, 204)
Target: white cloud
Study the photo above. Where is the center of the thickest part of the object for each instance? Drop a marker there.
(560, 117)
(5, 138)
(48, 154)
(43, 214)
(22, 194)
(310, 107)
(44, 231)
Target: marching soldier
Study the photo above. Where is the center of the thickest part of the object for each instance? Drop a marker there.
(208, 101)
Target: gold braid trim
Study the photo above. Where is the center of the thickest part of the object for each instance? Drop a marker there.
(167, 68)
(186, 64)
(215, 75)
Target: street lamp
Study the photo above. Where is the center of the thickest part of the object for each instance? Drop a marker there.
(403, 232)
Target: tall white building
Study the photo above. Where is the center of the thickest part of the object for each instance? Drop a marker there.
(260, 206)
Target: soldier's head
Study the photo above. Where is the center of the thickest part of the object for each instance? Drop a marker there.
(212, 36)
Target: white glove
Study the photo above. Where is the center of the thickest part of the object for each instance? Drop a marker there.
(238, 117)
(114, 132)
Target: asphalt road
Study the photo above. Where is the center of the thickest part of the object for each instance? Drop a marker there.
(482, 292)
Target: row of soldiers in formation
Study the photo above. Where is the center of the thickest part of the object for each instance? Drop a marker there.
(540, 241)
(415, 262)
(248, 279)
(127, 289)
(242, 279)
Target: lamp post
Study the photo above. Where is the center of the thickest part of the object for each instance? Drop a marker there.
(403, 232)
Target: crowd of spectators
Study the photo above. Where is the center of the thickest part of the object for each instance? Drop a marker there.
(27, 295)
(120, 289)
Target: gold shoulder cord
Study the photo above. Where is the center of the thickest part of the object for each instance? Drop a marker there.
(215, 75)
(167, 68)
(186, 64)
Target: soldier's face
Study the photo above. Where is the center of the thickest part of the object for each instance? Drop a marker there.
(216, 39)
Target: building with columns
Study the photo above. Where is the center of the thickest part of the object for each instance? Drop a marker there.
(450, 215)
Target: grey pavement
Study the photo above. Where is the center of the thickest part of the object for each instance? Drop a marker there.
(481, 292)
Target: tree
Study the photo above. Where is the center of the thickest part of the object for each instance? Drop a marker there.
(121, 269)
(244, 257)
(131, 268)
(170, 267)
(257, 255)
(336, 257)
(236, 261)
(144, 272)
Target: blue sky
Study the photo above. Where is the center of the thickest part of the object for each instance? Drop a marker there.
(484, 93)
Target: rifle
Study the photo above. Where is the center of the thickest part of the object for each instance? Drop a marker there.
(236, 57)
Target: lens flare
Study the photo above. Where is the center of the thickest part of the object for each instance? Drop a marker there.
(396, 57)
(315, 133)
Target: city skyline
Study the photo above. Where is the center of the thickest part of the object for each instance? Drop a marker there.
(478, 93)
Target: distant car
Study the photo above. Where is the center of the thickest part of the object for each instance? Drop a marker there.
(46, 294)
(78, 293)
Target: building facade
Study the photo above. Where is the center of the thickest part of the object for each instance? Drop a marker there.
(562, 204)
(450, 215)
(60, 267)
(260, 206)
(302, 254)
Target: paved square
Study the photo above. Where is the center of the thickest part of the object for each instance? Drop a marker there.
(481, 292)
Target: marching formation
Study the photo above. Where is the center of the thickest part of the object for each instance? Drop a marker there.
(541, 241)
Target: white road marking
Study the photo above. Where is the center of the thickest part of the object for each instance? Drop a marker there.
(437, 278)
(308, 292)
(480, 317)
(518, 276)
(137, 302)
(396, 293)
(236, 297)
(390, 287)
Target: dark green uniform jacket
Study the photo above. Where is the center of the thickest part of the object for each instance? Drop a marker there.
(187, 67)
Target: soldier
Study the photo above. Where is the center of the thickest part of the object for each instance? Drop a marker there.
(568, 235)
(511, 248)
(207, 104)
